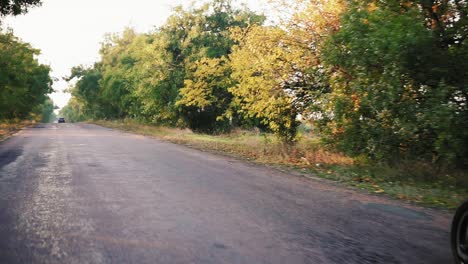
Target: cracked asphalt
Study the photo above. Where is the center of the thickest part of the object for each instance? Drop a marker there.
(79, 193)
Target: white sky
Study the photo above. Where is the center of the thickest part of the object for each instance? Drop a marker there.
(69, 32)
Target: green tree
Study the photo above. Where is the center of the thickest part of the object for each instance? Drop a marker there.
(46, 111)
(117, 62)
(24, 82)
(153, 76)
(204, 98)
(87, 89)
(73, 111)
(399, 89)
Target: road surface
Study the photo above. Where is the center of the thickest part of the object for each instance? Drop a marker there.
(79, 193)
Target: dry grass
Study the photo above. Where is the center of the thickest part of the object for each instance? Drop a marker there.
(264, 148)
(9, 127)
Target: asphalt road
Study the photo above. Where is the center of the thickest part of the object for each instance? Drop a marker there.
(77, 193)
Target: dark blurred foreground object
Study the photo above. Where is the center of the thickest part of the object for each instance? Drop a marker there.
(61, 120)
(459, 234)
(16, 7)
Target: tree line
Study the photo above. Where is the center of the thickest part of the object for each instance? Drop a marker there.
(385, 80)
(24, 82)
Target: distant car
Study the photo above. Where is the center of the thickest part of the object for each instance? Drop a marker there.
(61, 120)
(459, 234)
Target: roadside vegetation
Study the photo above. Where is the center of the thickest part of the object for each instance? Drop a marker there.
(382, 83)
(24, 82)
(10, 127)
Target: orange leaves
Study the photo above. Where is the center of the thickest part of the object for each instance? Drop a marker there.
(356, 102)
(408, 4)
(372, 7)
